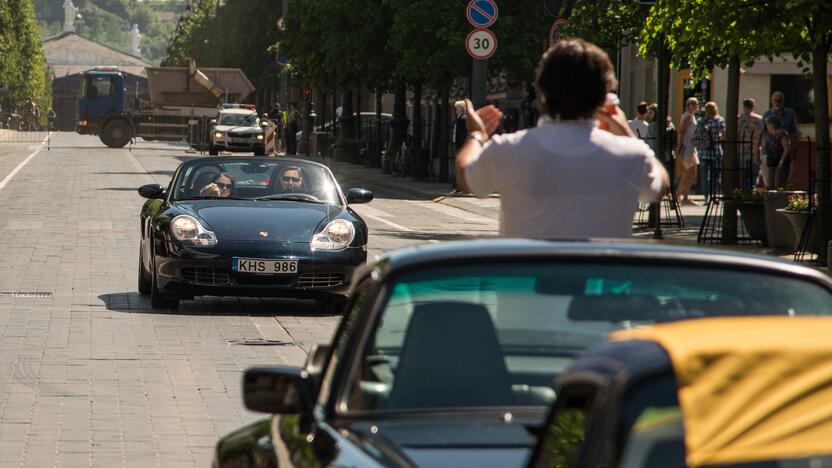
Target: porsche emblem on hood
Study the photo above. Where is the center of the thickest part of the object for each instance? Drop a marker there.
(264, 234)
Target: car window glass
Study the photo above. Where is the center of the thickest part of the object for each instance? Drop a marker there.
(103, 86)
(254, 180)
(242, 120)
(652, 427)
(513, 328)
(566, 430)
(342, 336)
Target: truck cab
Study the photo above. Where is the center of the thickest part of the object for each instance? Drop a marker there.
(101, 107)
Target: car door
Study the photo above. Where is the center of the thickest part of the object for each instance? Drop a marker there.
(310, 438)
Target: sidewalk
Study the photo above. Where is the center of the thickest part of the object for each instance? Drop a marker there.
(373, 179)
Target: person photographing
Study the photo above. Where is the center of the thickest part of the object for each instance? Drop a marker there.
(565, 178)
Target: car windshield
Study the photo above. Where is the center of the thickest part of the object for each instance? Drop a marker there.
(496, 335)
(239, 120)
(267, 180)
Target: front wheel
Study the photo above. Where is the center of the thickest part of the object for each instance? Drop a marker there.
(116, 134)
(213, 151)
(145, 283)
(332, 305)
(158, 299)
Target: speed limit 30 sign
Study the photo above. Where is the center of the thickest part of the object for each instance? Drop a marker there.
(481, 44)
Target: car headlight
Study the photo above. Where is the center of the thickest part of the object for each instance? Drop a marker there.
(259, 136)
(218, 135)
(188, 230)
(337, 235)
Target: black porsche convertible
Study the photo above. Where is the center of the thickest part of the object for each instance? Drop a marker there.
(259, 227)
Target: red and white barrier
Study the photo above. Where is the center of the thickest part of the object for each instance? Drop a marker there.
(270, 140)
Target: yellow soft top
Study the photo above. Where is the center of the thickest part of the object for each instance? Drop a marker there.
(751, 388)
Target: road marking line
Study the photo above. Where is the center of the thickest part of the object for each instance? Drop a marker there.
(389, 223)
(453, 212)
(17, 169)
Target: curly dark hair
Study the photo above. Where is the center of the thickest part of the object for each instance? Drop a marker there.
(573, 79)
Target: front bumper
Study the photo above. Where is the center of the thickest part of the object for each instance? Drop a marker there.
(238, 144)
(187, 272)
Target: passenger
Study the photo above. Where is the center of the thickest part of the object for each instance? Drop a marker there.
(291, 180)
(221, 187)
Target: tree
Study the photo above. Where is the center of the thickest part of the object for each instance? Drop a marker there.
(716, 33)
(30, 80)
(182, 46)
(809, 35)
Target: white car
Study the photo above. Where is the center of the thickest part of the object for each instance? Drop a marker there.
(237, 130)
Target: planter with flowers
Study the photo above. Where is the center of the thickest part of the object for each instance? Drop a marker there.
(779, 230)
(751, 207)
(797, 212)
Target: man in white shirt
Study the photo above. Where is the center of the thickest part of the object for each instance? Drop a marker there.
(566, 178)
(639, 124)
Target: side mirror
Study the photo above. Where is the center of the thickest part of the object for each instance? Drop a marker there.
(358, 195)
(152, 191)
(213, 121)
(264, 123)
(277, 390)
(315, 361)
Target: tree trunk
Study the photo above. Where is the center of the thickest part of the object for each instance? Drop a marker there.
(821, 91)
(379, 144)
(398, 124)
(358, 129)
(444, 124)
(661, 128)
(346, 148)
(729, 161)
(416, 169)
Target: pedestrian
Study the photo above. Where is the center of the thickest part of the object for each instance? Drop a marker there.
(778, 150)
(639, 124)
(687, 152)
(710, 157)
(749, 131)
(787, 117)
(460, 132)
(276, 115)
(652, 134)
(292, 127)
(565, 178)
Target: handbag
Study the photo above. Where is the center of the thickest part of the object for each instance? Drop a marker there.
(701, 138)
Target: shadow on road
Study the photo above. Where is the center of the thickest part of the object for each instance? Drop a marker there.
(135, 303)
(118, 189)
(435, 236)
(167, 173)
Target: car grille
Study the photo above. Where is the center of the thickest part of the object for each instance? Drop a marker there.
(264, 280)
(206, 275)
(320, 280)
(241, 135)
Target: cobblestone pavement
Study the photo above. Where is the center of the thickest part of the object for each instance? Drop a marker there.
(92, 375)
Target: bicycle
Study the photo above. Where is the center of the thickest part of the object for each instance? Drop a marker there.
(401, 161)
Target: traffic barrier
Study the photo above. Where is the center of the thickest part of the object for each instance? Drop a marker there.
(270, 140)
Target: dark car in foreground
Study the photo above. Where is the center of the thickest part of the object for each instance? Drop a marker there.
(727, 392)
(256, 237)
(447, 354)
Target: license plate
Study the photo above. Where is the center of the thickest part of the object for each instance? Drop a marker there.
(266, 267)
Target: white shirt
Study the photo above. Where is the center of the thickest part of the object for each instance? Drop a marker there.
(639, 127)
(566, 180)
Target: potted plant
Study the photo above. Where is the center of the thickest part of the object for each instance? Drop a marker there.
(797, 213)
(751, 207)
(779, 231)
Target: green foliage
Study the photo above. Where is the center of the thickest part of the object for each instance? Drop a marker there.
(611, 24)
(22, 66)
(522, 31)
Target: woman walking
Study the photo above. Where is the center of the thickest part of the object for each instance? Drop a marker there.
(777, 153)
(687, 151)
(710, 158)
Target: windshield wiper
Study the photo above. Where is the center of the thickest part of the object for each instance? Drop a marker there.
(290, 197)
(211, 198)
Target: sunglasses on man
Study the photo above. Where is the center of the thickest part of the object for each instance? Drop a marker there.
(290, 179)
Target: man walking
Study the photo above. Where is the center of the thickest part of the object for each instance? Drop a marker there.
(749, 129)
(566, 178)
(639, 124)
(787, 117)
(292, 127)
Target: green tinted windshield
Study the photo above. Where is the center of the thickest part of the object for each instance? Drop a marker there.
(497, 335)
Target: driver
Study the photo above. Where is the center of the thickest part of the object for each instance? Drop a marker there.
(291, 180)
(221, 186)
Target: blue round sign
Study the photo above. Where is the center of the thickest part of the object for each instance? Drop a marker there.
(482, 13)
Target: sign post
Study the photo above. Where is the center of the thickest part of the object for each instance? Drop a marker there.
(481, 44)
(553, 33)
